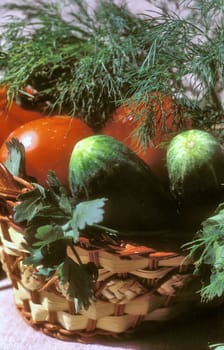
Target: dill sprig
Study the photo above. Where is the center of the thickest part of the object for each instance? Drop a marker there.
(77, 64)
(85, 61)
(207, 251)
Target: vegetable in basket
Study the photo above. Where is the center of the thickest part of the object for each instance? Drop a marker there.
(100, 166)
(146, 125)
(12, 115)
(48, 145)
(195, 162)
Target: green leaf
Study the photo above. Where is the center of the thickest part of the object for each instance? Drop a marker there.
(52, 224)
(48, 254)
(35, 258)
(56, 193)
(48, 234)
(45, 271)
(30, 203)
(219, 257)
(79, 280)
(215, 287)
(207, 249)
(43, 232)
(50, 203)
(70, 232)
(214, 224)
(15, 162)
(88, 213)
(49, 212)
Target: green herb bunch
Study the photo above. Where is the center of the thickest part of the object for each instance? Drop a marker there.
(78, 64)
(85, 62)
(53, 222)
(207, 250)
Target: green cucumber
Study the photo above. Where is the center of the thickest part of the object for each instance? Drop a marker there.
(101, 166)
(195, 163)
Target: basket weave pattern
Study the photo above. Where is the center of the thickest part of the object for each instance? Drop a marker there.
(135, 284)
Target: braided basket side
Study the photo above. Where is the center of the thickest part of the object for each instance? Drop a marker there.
(136, 283)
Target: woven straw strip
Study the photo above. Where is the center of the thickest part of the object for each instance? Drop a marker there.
(11, 239)
(112, 262)
(94, 257)
(77, 335)
(117, 265)
(4, 234)
(43, 312)
(128, 291)
(53, 309)
(152, 274)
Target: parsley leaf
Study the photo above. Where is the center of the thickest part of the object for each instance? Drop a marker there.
(80, 281)
(57, 193)
(15, 162)
(35, 257)
(30, 203)
(47, 253)
(86, 214)
(48, 234)
(53, 221)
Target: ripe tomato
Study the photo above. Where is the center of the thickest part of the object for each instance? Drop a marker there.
(124, 126)
(12, 115)
(48, 145)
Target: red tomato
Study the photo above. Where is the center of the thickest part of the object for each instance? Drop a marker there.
(124, 124)
(12, 115)
(48, 145)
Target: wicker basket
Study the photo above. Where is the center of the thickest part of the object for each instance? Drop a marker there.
(136, 283)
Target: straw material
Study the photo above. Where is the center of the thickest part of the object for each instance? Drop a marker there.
(136, 283)
(130, 290)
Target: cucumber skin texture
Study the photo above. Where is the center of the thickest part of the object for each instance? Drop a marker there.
(195, 163)
(101, 166)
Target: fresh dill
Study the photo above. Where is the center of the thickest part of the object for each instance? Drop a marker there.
(85, 62)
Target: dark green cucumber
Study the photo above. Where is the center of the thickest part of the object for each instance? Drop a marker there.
(195, 163)
(101, 166)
